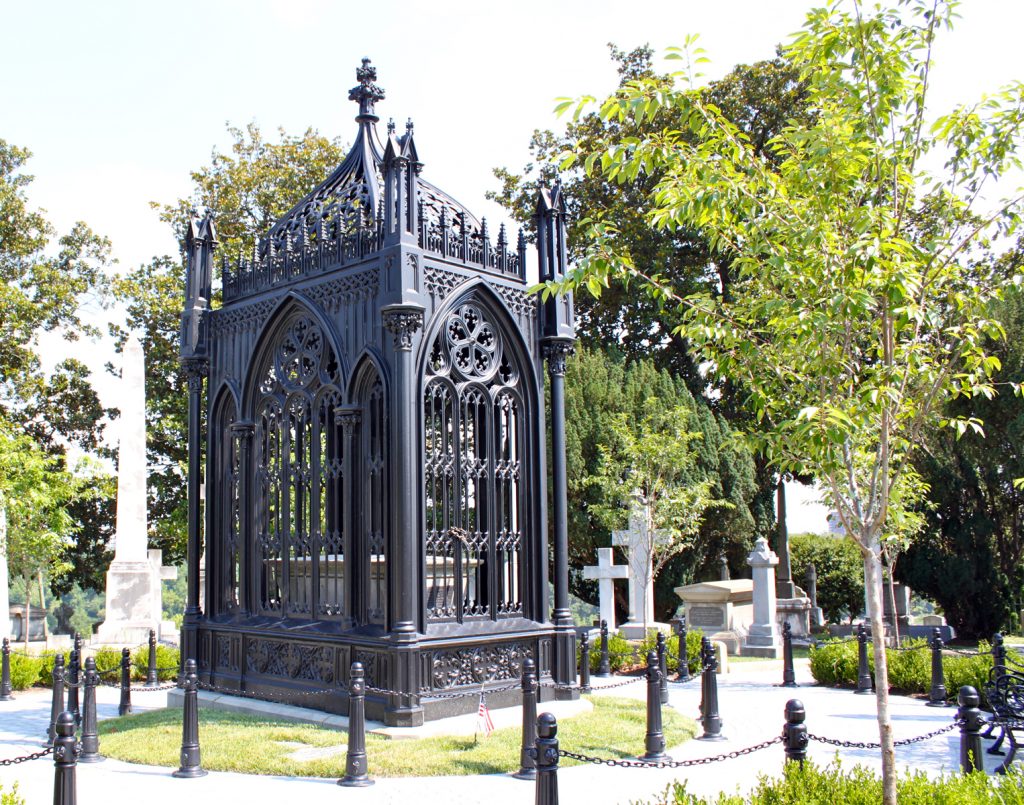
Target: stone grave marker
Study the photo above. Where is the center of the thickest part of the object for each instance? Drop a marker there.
(605, 572)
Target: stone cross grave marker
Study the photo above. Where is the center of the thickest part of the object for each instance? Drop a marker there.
(606, 571)
(639, 541)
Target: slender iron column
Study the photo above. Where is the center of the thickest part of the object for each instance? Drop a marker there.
(404, 589)
(124, 707)
(864, 683)
(585, 663)
(604, 668)
(557, 353)
(683, 673)
(937, 694)
(710, 719)
(662, 650)
(73, 676)
(788, 672)
(152, 678)
(195, 370)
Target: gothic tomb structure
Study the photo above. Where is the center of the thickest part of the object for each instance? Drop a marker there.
(374, 426)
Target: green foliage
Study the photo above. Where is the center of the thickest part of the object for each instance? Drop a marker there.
(247, 188)
(810, 784)
(166, 657)
(601, 388)
(25, 670)
(109, 659)
(840, 572)
(973, 545)
(835, 663)
(46, 660)
(11, 797)
(693, 640)
(621, 653)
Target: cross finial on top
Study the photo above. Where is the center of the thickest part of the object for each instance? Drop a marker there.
(366, 94)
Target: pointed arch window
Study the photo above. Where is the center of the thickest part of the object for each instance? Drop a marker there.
(473, 437)
(297, 452)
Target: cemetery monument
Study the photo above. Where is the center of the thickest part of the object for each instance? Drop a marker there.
(639, 540)
(133, 591)
(605, 572)
(376, 481)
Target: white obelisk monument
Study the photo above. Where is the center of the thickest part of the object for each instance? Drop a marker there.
(133, 594)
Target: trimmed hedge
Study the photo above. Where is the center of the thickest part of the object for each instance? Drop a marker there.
(166, 657)
(24, 671)
(834, 663)
(812, 785)
(622, 654)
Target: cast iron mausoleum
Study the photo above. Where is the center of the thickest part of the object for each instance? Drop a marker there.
(376, 488)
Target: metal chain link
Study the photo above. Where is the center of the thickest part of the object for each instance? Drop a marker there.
(875, 745)
(921, 647)
(138, 688)
(11, 761)
(443, 696)
(669, 764)
(621, 684)
(264, 696)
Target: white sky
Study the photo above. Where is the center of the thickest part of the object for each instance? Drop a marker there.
(120, 100)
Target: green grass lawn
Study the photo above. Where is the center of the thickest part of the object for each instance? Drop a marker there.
(231, 742)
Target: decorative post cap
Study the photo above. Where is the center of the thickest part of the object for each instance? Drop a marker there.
(366, 93)
(762, 555)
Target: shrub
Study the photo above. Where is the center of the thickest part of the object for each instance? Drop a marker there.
(166, 657)
(839, 568)
(835, 663)
(108, 659)
(46, 669)
(24, 671)
(620, 653)
(859, 786)
(10, 797)
(693, 638)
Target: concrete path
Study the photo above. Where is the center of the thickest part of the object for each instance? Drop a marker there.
(750, 703)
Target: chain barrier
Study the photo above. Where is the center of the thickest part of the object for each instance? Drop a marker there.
(921, 647)
(12, 761)
(443, 696)
(669, 764)
(876, 745)
(284, 697)
(137, 688)
(966, 652)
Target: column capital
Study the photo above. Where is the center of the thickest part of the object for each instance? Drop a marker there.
(402, 321)
(243, 428)
(349, 417)
(557, 351)
(196, 369)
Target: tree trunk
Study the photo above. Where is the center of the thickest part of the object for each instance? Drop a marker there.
(873, 576)
(890, 592)
(42, 605)
(27, 620)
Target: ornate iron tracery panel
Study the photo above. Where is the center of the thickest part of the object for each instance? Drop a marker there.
(298, 469)
(473, 436)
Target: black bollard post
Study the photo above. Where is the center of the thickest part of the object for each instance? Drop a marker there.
(125, 705)
(998, 655)
(794, 732)
(355, 759)
(937, 694)
(90, 738)
(710, 720)
(788, 672)
(585, 663)
(57, 700)
(73, 677)
(152, 679)
(65, 751)
(971, 721)
(684, 658)
(705, 645)
(604, 667)
(864, 684)
(190, 755)
(5, 672)
(662, 650)
(546, 755)
(527, 762)
(654, 741)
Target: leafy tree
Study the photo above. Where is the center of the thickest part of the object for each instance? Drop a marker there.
(603, 389)
(856, 312)
(49, 283)
(973, 546)
(649, 467)
(247, 188)
(839, 569)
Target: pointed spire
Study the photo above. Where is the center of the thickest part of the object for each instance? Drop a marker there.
(391, 126)
(366, 93)
(408, 126)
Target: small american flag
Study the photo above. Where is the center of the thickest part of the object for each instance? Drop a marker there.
(483, 716)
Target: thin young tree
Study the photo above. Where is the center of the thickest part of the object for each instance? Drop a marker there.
(861, 304)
